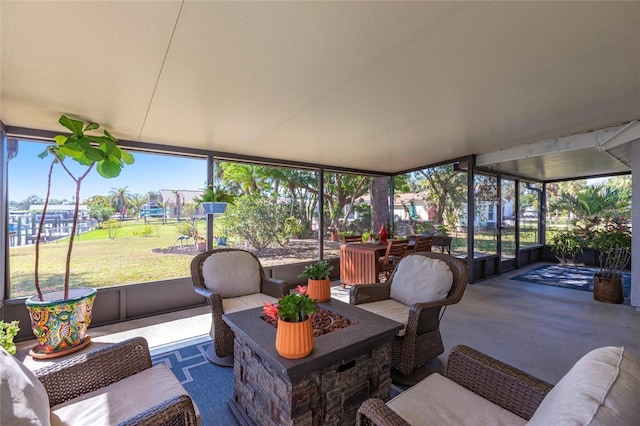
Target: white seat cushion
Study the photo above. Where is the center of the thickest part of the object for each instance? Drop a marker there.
(437, 400)
(391, 309)
(602, 388)
(242, 303)
(232, 273)
(120, 401)
(420, 279)
(23, 398)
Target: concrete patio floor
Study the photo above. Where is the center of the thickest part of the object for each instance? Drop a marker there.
(541, 329)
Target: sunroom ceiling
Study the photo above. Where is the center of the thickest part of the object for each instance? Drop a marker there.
(379, 86)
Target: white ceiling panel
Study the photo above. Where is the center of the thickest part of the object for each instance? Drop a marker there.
(384, 86)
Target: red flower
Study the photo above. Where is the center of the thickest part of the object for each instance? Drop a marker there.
(301, 289)
(270, 309)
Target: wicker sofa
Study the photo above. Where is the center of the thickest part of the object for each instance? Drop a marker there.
(602, 388)
(112, 385)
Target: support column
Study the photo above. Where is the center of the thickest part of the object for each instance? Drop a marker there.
(635, 224)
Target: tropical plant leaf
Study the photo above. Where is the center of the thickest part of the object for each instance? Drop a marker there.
(108, 168)
(127, 157)
(74, 125)
(94, 154)
(91, 126)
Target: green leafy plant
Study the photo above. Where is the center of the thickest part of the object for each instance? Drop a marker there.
(614, 245)
(90, 151)
(442, 230)
(566, 245)
(112, 226)
(8, 330)
(215, 194)
(317, 271)
(255, 219)
(294, 307)
(293, 227)
(366, 236)
(147, 231)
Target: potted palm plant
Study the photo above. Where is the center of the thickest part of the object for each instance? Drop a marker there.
(318, 283)
(59, 319)
(215, 199)
(614, 247)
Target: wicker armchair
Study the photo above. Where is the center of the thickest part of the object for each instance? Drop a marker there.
(493, 380)
(125, 365)
(231, 280)
(420, 341)
(602, 388)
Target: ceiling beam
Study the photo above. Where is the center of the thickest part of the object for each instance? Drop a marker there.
(601, 139)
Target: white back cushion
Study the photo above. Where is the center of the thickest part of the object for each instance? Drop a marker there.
(232, 273)
(602, 388)
(421, 279)
(23, 398)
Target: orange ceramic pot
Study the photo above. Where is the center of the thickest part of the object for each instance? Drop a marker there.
(294, 339)
(319, 289)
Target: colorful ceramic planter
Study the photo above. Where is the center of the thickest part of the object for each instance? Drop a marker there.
(60, 325)
(294, 340)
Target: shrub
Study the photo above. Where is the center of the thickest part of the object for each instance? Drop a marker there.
(147, 231)
(112, 226)
(8, 331)
(293, 227)
(566, 245)
(255, 219)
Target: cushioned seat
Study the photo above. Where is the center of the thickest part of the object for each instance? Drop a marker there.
(114, 385)
(232, 280)
(435, 396)
(121, 400)
(601, 389)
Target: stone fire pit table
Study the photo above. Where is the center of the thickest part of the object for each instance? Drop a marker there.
(346, 367)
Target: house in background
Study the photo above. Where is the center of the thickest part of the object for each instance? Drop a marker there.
(179, 202)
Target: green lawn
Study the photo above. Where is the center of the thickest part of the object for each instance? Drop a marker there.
(98, 261)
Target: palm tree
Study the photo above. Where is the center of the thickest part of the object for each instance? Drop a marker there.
(137, 201)
(593, 205)
(119, 200)
(596, 201)
(179, 202)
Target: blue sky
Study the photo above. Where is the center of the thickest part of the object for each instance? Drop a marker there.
(150, 172)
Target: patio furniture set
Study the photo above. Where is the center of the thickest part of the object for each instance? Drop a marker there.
(347, 377)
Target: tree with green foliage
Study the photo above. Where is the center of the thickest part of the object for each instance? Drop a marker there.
(255, 219)
(445, 188)
(342, 190)
(249, 178)
(100, 207)
(136, 202)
